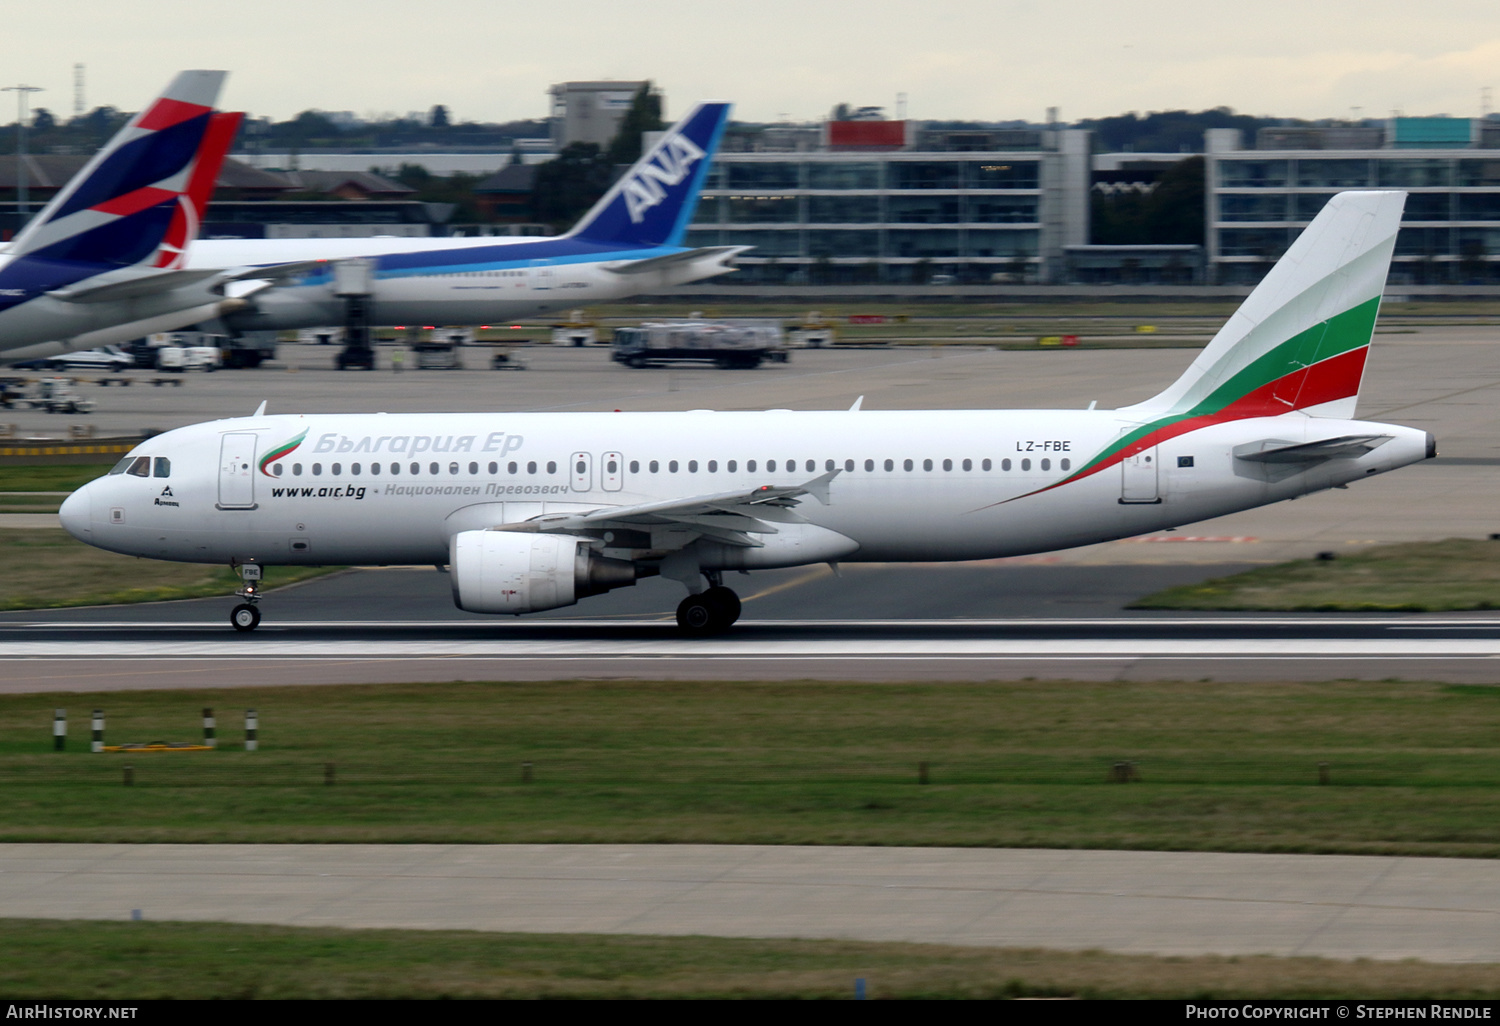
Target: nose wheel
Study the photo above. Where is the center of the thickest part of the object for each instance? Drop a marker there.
(711, 612)
(244, 617)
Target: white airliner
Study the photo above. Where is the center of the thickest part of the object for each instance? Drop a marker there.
(533, 511)
(631, 242)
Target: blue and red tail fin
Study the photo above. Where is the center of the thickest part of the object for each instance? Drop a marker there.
(140, 201)
(653, 204)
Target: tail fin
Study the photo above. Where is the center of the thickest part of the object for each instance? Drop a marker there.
(653, 203)
(138, 202)
(1299, 341)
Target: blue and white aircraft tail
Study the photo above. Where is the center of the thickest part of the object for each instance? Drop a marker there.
(631, 242)
(653, 204)
(108, 249)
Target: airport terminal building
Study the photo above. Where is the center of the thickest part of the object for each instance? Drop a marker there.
(868, 202)
(1260, 198)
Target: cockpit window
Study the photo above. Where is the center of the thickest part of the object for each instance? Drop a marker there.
(119, 468)
(163, 467)
(141, 467)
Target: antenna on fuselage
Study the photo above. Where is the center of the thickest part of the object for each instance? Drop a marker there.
(260, 411)
(857, 404)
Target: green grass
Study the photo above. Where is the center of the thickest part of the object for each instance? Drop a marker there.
(1455, 574)
(143, 961)
(58, 477)
(49, 569)
(1223, 767)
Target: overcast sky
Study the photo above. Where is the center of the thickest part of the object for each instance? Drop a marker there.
(492, 60)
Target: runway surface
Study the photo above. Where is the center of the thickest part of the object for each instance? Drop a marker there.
(1441, 910)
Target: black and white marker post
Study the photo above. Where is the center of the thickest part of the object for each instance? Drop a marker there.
(98, 742)
(250, 726)
(209, 741)
(59, 729)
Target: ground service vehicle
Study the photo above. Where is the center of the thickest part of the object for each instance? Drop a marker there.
(741, 343)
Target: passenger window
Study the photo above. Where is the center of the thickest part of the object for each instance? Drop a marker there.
(635, 466)
(122, 466)
(551, 466)
(512, 468)
(317, 470)
(296, 470)
(947, 464)
(692, 466)
(580, 467)
(141, 467)
(395, 468)
(416, 468)
(1046, 464)
(1004, 464)
(433, 468)
(1025, 464)
(531, 467)
(869, 464)
(813, 465)
(1066, 464)
(163, 467)
(849, 465)
(338, 468)
(770, 466)
(730, 466)
(354, 469)
(473, 468)
(713, 466)
(906, 464)
(969, 464)
(750, 466)
(926, 464)
(494, 468)
(654, 467)
(890, 465)
(986, 465)
(671, 466)
(276, 469)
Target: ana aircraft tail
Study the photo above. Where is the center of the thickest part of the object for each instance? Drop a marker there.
(1299, 341)
(140, 201)
(653, 203)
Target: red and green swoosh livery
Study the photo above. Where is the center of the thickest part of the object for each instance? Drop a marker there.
(1320, 365)
(284, 449)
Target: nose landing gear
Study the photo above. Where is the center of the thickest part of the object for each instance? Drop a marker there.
(245, 617)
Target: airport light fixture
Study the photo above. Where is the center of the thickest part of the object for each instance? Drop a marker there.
(21, 191)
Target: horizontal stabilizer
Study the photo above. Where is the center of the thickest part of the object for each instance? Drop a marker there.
(1275, 450)
(686, 256)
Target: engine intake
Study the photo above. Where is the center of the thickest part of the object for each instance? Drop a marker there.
(518, 572)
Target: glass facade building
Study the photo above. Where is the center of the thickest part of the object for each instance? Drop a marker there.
(909, 216)
(1259, 200)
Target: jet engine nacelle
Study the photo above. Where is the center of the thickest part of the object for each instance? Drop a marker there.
(519, 572)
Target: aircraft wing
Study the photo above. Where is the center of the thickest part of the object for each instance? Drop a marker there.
(1278, 451)
(729, 517)
(275, 272)
(686, 256)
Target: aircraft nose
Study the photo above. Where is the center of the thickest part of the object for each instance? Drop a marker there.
(76, 514)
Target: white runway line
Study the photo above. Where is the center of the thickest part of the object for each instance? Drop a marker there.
(872, 648)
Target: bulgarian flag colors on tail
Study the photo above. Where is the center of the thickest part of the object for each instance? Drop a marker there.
(1297, 343)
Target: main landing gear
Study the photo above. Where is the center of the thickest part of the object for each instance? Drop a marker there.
(245, 616)
(709, 612)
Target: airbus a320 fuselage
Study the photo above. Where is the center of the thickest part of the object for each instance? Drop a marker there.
(535, 511)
